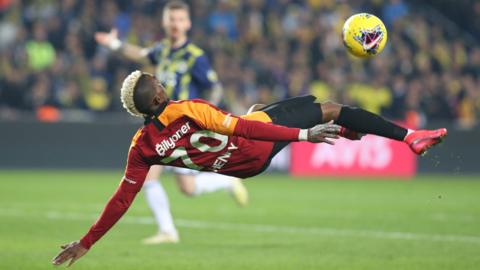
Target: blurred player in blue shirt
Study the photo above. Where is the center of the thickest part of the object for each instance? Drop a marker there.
(185, 72)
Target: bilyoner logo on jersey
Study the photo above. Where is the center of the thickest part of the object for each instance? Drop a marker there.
(170, 142)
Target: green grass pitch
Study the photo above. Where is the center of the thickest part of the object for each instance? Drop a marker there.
(427, 223)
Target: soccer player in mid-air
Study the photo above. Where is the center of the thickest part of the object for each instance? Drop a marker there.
(185, 72)
(197, 135)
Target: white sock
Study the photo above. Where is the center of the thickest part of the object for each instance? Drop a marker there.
(409, 131)
(210, 182)
(158, 201)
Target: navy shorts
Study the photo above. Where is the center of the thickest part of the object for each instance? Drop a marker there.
(298, 112)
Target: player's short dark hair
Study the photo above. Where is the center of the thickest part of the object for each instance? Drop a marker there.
(144, 93)
(177, 4)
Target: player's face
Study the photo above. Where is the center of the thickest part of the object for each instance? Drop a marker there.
(176, 23)
(159, 97)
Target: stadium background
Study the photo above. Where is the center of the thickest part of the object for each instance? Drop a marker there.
(60, 109)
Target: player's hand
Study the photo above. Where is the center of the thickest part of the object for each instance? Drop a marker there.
(72, 251)
(107, 39)
(323, 133)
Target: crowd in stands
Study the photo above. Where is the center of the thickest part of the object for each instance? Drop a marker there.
(262, 50)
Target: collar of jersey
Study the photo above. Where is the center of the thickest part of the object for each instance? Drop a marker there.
(161, 108)
(157, 112)
(179, 48)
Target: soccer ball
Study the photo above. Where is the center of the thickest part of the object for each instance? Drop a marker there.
(364, 35)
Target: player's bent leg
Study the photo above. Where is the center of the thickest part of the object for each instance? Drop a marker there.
(305, 112)
(158, 202)
(366, 122)
(330, 111)
(210, 182)
(362, 121)
(154, 172)
(205, 182)
(186, 183)
(239, 192)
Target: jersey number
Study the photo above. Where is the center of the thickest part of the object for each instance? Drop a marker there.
(181, 152)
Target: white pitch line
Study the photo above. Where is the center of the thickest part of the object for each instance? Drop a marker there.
(262, 228)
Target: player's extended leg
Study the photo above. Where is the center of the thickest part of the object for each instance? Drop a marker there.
(205, 182)
(363, 121)
(158, 201)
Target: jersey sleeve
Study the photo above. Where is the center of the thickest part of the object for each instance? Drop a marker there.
(154, 52)
(203, 74)
(136, 171)
(212, 118)
(121, 200)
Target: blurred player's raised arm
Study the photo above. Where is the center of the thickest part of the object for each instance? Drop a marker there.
(130, 51)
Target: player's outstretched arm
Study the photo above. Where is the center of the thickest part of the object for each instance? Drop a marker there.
(130, 51)
(257, 130)
(116, 207)
(114, 210)
(216, 120)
